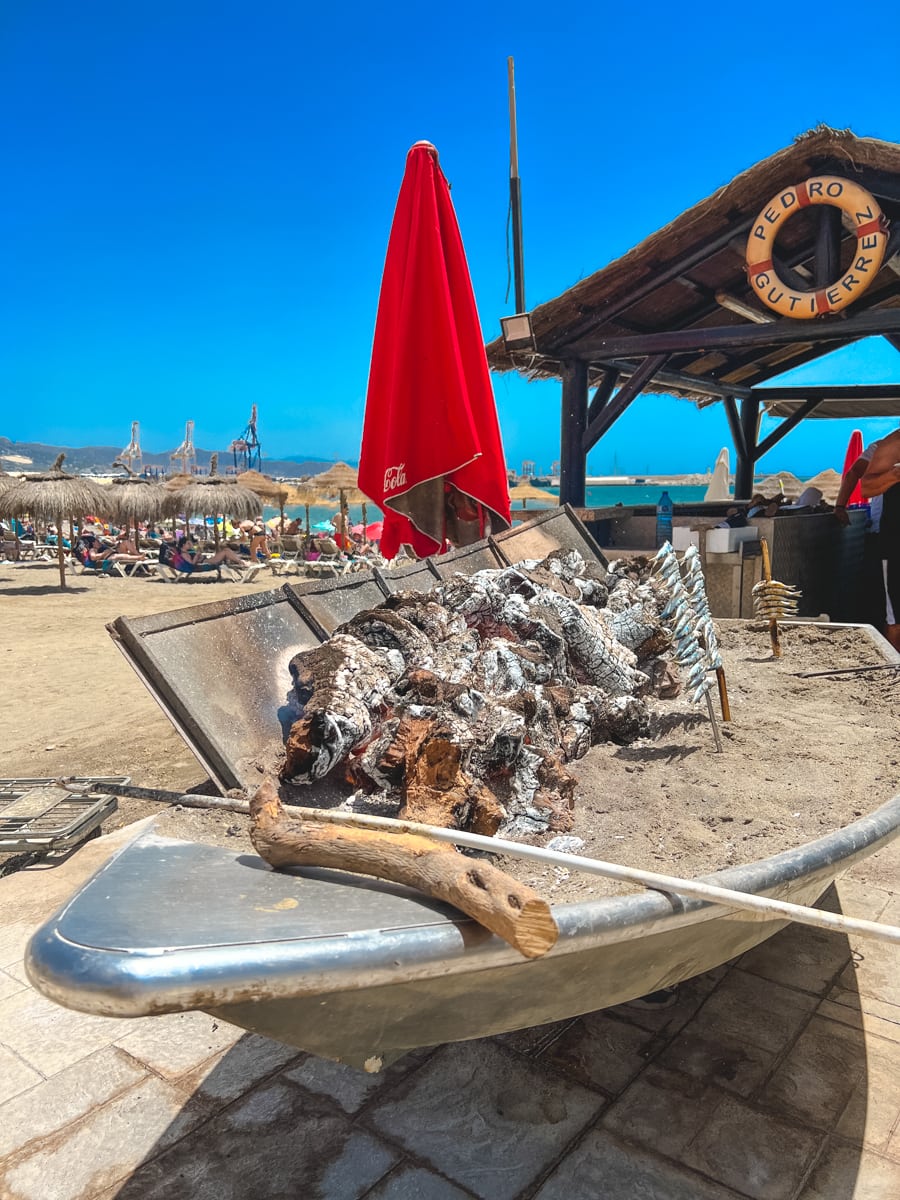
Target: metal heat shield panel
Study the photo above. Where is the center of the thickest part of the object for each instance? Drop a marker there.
(480, 556)
(559, 529)
(329, 603)
(416, 577)
(220, 673)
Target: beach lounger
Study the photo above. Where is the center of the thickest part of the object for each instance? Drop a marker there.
(106, 566)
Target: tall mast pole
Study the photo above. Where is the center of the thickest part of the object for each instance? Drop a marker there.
(515, 192)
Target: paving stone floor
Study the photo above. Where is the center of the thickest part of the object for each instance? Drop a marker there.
(776, 1077)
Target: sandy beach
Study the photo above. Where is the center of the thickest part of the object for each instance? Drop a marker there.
(70, 704)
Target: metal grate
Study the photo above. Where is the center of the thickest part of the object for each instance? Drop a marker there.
(37, 814)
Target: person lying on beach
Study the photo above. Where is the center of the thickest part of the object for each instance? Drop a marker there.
(95, 552)
(188, 557)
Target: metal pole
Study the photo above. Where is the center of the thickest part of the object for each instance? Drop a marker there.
(515, 193)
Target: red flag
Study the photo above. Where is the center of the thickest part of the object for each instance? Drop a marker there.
(431, 455)
(854, 450)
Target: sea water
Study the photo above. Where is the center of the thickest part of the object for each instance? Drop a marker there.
(599, 496)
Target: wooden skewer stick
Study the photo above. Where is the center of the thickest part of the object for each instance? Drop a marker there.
(712, 721)
(847, 671)
(491, 897)
(723, 694)
(773, 621)
(763, 906)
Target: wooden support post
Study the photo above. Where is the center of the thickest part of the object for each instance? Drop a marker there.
(743, 476)
(828, 245)
(734, 424)
(574, 421)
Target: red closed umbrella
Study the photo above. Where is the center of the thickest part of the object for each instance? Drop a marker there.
(431, 455)
(854, 450)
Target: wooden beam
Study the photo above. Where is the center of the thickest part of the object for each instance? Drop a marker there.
(884, 185)
(783, 332)
(573, 423)
(785, 428)
(743, 476)
(605, 389)
(855, 391)
(737, 431)
(611, 413)
(683, 381)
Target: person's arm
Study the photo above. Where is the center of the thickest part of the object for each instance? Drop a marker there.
(852, 477)
(884, 469)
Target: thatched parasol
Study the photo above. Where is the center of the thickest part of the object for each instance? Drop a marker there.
(307, 495)
(527, 491)
(134, 498)
(266, 489)
(213, 494)
(51, 495)
(828, 482)
(343, 481)
(784, 483)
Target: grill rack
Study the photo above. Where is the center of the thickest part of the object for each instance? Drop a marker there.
(36, 815)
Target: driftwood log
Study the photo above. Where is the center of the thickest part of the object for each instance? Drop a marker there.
(493, 899)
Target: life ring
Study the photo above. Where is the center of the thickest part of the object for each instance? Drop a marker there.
(871, 243)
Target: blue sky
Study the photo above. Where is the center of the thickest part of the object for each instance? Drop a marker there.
(197, 197)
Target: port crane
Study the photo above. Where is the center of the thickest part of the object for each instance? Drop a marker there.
(246, 449)
(186, 455)
(131, 455)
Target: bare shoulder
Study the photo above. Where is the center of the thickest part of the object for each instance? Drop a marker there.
(887, 452)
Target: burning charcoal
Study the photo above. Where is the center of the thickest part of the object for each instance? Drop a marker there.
(339, 686)
(434, 620)
(595, 654)
(633, 626)
(380, 628)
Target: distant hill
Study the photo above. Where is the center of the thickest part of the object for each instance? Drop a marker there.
(99, 459)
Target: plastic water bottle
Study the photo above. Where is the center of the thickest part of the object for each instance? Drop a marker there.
(664, 509)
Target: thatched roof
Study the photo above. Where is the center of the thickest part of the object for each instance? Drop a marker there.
(339, 478)
(784, 483)
(207, 495)
(828, 482)
(50, 495)
(265, 487)
(132, 498)
(670, 281)
(527, 491)
(307, 494)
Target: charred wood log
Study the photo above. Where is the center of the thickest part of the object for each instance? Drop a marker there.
(341, 687)
(490, 897)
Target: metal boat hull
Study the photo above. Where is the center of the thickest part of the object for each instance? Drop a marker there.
(354, 969)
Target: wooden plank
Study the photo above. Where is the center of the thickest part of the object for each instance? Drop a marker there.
(856, 391)
(780, 333)
(680, 379)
